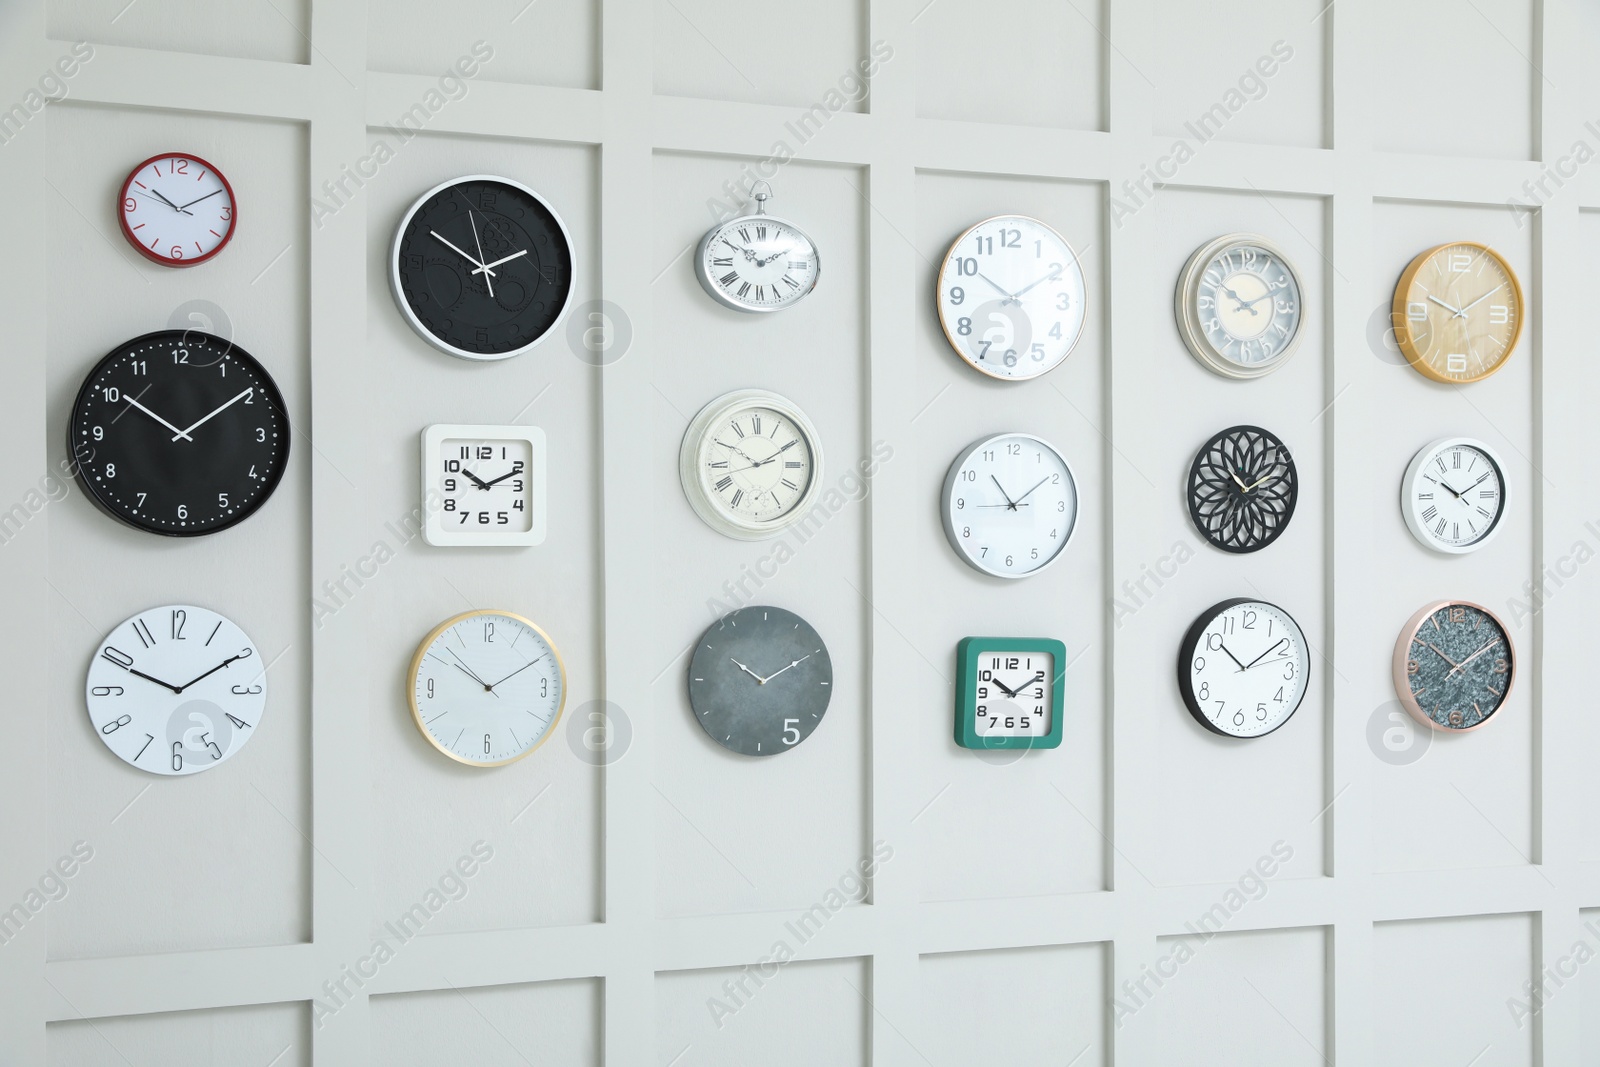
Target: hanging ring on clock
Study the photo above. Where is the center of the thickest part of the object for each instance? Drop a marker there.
(759, 197)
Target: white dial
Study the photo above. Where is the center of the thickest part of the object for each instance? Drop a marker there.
(1239, 306)
(1015, 694)
(487, 687)
(750, 464)
(483, 485)
(1244, 668)
(176, 690)
(1454, 495)
(757, 262)
(1010, 505)
(177, 209)
(1011, 297)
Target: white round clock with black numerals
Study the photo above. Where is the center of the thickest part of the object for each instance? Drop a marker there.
(482, 267)
(1454, 495)
(1010, 504)
(760, 680)
(1011, 297)
(750, 464)
(177, 209)
(180, 433)
(1239, 306)
(176, 690)
(487, 687)
(758, 262)
(1243, 668)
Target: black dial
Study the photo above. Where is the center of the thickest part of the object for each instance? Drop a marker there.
(482, 268)
(759, 681)
(1242, 489)
(179, 433)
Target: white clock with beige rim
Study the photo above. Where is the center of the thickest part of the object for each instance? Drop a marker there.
(1239, 306)
(750, 464)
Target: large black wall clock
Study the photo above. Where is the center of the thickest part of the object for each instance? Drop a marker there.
(482, 267)
(760, 680)
(180, 433)
(1242, 489)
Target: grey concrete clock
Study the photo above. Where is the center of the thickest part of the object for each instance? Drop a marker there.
(760, 680)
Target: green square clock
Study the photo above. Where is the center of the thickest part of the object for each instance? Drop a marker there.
(1008, 692)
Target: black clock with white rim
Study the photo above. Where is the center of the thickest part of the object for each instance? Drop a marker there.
(1242, 489)
(179, 433)
(482, 267)
(760, 680)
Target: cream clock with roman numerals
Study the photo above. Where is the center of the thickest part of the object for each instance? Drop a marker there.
(1454, 495)
(750, 464)
(483, 485)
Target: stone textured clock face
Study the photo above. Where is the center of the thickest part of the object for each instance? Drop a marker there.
(1454, 665)
(482, 268)
(760, 681)
(1458, 312)
(1239, 306)
(179, 433)
(1243, 668)
(1242, 489)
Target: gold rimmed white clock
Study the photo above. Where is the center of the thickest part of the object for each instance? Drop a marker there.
(487, 687)
(1458, 312)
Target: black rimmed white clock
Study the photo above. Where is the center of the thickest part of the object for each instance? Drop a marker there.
(482, 267)
(1243, 668)
(180, 433)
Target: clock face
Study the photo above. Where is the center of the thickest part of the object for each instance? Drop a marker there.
(1010, 505)
(760, 680)
(1011, 297)
(1453, 495)
(1243, 668)
(1242, 489)
(180, 433)
(750, 464)
(1008, 692)
(1239, 306)
(1453, 665)
(757, 263)
(176, 690)
(177, 210)
(1458, 312)
(482, 268)
(483, 485)
(487, 687)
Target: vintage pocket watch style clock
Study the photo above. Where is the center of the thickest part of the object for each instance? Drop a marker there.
(1242, 489)
(1009, 692)
(1458, 312)
(1454, 495)
(1011, 297)
(750, 464)
(1009, 505)
(1243, 668)
(176, 690)
(179, 433)
(487, 687)
(1239, 306)
(760, 680)
(483, 485)
(1453, 665)
(482, 267)
(177, 209)
(757, 262)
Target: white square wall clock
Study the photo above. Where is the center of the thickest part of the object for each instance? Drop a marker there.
(483, 485)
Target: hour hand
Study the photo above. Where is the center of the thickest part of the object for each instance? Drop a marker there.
(748, 671)
(183, 435)
(464, 255)
(475, 479)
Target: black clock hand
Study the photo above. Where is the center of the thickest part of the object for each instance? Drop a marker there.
(169, 203)
(461, 665)
(1010, 692)
(158, 681)
(1270, 649)
(1012, 504)
(214, 670)
(197, 199)
(1230, 655)
(475, 480)
(496, 481)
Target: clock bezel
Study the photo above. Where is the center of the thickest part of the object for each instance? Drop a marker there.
(969, 650)
(1402, 678)
(428, 642)
(689, 476)
(716, 293)
(1401, 325)
(122, 216)
(947, 516)
(1408, 489)
(1188, 316)
(397, 290)
(434, 530)
(1191, 642)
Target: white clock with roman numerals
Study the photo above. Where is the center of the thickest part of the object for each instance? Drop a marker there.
(483, 485)
(1454, 495)
(757, 262)
(176, 690)
(750, 464)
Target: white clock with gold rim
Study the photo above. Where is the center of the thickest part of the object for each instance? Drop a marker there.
(487, 687)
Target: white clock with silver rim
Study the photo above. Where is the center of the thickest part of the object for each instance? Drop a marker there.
(1011, 297)
(176, 689)
(750, 464)
(1454, 495)
(1239, 306)
(483, 485)
(757, 263)
(1010, 504)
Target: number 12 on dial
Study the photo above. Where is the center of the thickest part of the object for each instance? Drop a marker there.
(1008, 692)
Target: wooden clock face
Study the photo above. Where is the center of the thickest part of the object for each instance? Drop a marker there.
(760, 681)
(179, 433)
(1458, 312)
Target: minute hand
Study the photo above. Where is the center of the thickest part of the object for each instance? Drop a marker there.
(214, 414)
